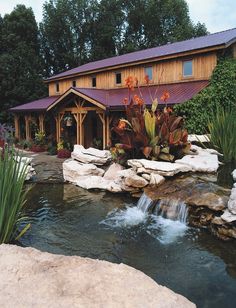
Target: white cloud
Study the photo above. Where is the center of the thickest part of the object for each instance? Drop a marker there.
(218, 15)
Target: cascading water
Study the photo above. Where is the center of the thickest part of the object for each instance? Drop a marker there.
(166, 223)
(144, 203)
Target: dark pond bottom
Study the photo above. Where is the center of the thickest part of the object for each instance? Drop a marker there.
(70, 221)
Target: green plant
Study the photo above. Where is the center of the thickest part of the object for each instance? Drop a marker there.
(12, 195)
(220, 92)
(157, 135)
(222, 128)
(40, 138)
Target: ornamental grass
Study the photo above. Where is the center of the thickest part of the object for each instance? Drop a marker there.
(222, 129)
(12, 195)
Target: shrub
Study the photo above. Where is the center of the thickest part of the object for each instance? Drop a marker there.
(157, 135)
(12, 195)
(37, 148)
(63, 153)
(220, 92)
(222, 128)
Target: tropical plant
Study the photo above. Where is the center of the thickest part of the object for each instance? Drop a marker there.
(40, 138)
(222, 129)
(150, 132)
(13, 173)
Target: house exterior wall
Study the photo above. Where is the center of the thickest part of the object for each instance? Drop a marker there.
(203, 66)
(234, 51)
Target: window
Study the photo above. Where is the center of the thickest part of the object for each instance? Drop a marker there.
(57, 87)
(118, 78)
(148, 72)
(94, 82)
(74, 83)
(188, 68)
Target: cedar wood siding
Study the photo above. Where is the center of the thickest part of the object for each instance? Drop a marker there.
(203, 65)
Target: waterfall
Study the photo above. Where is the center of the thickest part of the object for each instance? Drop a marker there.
(144, 203)
(172, 209)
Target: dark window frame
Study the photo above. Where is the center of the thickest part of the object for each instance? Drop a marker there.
(74, 83)
(118, 78)
(57, 87)
(94, 81)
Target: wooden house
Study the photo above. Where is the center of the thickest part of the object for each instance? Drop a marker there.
(83, 101)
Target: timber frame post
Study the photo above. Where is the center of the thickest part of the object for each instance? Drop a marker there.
(17, 125)
(41, 122)
(27, 127)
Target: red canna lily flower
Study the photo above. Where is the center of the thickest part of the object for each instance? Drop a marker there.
(121, 124)
(129, 81)
(147, 80)
(165, 96)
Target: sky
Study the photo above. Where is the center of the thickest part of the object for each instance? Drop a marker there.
(218, 15)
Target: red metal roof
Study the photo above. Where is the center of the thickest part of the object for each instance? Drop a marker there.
(113, 98)
(221, 38)
(37, 105)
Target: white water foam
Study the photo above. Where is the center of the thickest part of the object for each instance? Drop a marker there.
(130, 216)
(165, 230)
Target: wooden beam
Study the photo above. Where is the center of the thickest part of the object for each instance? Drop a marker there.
(102, 118)
(17, 126)
(41, 122)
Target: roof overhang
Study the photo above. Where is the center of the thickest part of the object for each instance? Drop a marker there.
(79, 94)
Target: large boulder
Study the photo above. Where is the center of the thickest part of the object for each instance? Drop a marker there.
(31, 278)
(159, 167)
(73, 170)
(90, 155)
(208, 199)
(136, 181)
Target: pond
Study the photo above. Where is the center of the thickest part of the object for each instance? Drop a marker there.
(71, 221)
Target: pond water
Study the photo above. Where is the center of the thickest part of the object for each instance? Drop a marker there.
(68, 220)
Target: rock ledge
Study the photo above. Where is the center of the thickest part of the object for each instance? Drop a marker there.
(30, 278)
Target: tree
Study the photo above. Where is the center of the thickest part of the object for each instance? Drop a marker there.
(20, 67)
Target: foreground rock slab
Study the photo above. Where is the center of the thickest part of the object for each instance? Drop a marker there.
(30, 278)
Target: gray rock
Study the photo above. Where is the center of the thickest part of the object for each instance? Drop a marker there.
(31, 278)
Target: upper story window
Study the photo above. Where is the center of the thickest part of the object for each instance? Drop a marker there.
(94, 82)
(148, 72)
(187, 68)
(74, 83)
(118, 78)
(57, 87)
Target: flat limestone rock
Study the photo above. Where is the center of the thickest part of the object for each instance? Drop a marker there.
(159, 167)
(203, 162)
(208, 199)
(73, 170)
(31, 278)
(98, 182)
(90, 155)
(198, 138)
(228, 216)
(232, 201)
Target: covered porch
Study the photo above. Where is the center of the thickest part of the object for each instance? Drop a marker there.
(72, 117)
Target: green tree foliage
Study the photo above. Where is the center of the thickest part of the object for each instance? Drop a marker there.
(74, 32)
(220, 92)
(20, 67)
